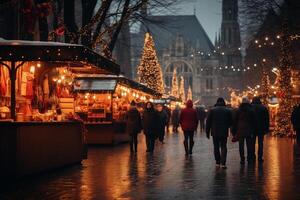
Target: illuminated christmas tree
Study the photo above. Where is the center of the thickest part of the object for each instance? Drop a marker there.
(174, 89)
(284, 93)
(190, 94)
(149, 70)
(181, 89)
(265, 87)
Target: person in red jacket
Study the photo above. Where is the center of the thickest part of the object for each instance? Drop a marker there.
(189, 123)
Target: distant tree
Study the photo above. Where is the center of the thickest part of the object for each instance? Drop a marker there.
(174, 89)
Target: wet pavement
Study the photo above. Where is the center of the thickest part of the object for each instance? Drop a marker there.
(113, 173)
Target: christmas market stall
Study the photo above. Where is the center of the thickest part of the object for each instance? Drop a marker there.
(39, 130)
(102, 102)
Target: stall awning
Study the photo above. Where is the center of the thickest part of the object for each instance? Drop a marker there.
(20, 50)
(94, 85)
(119, 79)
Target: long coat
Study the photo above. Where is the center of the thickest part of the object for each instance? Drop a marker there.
(133, 121)
(244, 124)
(161, 121)
(218, 121)
(262, 118)
(175, 117)
(189, 117)
(149, 122)
(295, 118)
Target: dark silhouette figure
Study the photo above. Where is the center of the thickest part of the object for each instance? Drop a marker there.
(162, 120)
(244, 128)
(168, 112)
(218, 122)
(149, 126)
(133, 125)
(201, 116)
(175, 118)
(262, 124)
(295, 118)
(189, 123)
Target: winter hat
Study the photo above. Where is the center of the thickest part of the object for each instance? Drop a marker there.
(245, 100)
(256, 100)
(221, 101)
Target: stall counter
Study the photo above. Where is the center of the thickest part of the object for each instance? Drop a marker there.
(28, 148)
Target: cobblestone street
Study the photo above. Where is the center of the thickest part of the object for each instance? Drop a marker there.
(112, 173)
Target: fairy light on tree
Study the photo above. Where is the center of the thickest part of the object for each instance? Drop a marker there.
(265, 84)
(190, 94)
(149, 70)
(174, 89)
(284, 92)
(181, 89)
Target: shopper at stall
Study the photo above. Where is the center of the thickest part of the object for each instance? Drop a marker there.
(175, 118)
(244, 128)
(295, 118)
(162, 121)
(149, 125)
(133, 126)
(189, 124)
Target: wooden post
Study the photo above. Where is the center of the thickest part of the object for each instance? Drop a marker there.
(12, 74)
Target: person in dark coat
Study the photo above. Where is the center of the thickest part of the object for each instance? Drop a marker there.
(162, 120)
(218, 122)
(201, 116)
(244, 128)
(168, 113)
(149, 125)
(175, 118)
(262, 121)
(295, 118)
(189, 124)
(133, 125)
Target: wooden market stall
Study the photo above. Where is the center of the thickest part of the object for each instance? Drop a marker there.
(102, 102)
(37, 134)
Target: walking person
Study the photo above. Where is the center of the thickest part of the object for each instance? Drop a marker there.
(262, 124)
(201, 116)
(162, 119)
(244, 129)
(295, 118)
(189, 124)
(218, 122)
(175, 118)
(149, 124)
(133, 126)
(168, 112)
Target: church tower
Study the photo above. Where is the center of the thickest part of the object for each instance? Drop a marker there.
(230, 43)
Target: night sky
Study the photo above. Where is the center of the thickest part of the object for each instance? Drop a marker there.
(208, 13)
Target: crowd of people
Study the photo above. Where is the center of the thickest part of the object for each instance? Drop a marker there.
(248, 123)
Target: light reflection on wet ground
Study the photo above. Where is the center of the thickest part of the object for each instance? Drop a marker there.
(113, 173)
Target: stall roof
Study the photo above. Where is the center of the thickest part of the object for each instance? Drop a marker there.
(120, 79)
(21, 50)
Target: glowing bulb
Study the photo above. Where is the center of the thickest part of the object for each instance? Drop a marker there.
(62, 77)
(32, 69)
(266, 38)
(264, 60)
(256, 41)
(278, 36)
(38, 65)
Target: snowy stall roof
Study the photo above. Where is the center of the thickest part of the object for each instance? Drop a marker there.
(21, 50)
